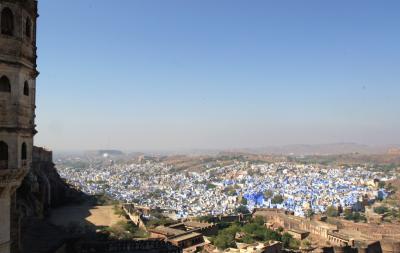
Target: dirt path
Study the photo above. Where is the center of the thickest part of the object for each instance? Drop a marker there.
(85, 214)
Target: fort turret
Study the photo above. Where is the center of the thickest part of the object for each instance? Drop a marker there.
(18, 72)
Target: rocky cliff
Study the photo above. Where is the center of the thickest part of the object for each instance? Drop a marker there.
(41, 190)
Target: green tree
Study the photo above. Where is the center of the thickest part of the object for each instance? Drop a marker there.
(226, 237)
(252, 231)
(210, 186)
(242, 209)
(332, 211)
(248, 239)
(224, 240)
(230, 191)
(272, 235)
(286, 239)
(347, 212)
(395, 213)
(309, 213)
(268, 194)
(206, 218)
(259, 220)
(222, 225)
(277, 199)
(356, 217)
(306, 244)
(381, 209)
(294, 244)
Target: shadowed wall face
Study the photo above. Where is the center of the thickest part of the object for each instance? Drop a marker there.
(17, 105)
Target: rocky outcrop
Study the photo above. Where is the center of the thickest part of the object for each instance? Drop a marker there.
(43, 187)
(41, 190)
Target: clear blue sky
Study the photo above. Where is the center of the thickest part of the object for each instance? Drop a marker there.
(157, 74)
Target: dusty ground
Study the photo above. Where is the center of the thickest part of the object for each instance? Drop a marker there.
(95, 216)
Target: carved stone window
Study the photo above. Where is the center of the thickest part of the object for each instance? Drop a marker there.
(7, 22)
(23, 152)
(28, 27)
(5, 84)
(26, 88)
(3, 155)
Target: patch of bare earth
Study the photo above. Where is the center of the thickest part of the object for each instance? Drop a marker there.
(95, 216)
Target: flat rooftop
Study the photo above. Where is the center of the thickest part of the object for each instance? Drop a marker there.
(185, 237)
(298, 231)
(197, 224)
(167, 231)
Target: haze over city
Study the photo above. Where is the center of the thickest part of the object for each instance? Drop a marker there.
(143, 75)
(199, 126)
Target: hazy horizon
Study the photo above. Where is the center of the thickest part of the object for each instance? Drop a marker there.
(289, 149)
(168, 75)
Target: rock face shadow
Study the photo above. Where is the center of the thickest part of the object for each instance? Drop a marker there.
(85, 216)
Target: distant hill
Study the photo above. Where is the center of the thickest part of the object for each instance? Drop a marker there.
(394, 151)
(321, 149)
(295, 150)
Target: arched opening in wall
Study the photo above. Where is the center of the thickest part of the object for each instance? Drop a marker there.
(23, 152)
(26, 88)
(28, 27)
(7, 22)
(3, 155)
(5, 84)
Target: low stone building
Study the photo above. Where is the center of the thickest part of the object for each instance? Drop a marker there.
(280, 218)
(204, 228)
(180, 238)
(339, 239)
(259, 247)
(298, 233)
(357, 237)
(186, 234)
(188, 240)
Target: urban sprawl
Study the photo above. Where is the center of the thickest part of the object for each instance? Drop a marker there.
(221, 190)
